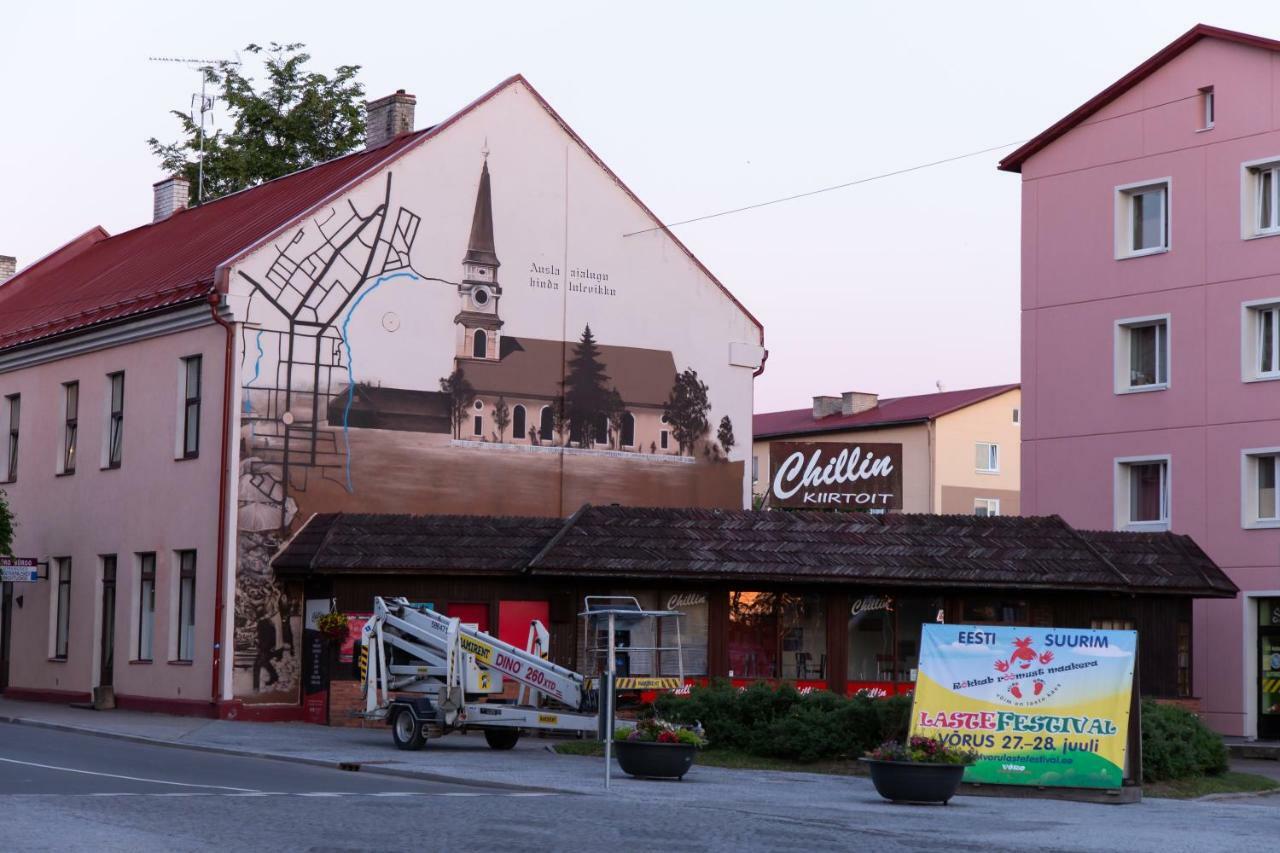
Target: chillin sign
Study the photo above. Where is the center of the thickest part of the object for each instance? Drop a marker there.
(835, 474)
(1040, 706)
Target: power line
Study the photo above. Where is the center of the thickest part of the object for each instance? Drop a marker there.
(854, 183)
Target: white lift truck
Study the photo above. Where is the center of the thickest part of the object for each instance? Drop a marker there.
(451, 666)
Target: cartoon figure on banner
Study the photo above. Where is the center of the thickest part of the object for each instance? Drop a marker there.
(1024, 656)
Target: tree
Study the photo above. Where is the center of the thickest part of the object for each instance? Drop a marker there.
(559, 420)
(686, 410)
(725, 435)
(457, 391)
(585, 389)
(501, 417)
(6, 526)
(298, 119)
(615, 410)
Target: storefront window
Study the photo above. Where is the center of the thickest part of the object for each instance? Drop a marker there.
(693, 632)
(804, 637)
(884, 636)
(753, 635)
(994, 611)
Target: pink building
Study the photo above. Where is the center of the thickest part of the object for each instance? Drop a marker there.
(1151, 337)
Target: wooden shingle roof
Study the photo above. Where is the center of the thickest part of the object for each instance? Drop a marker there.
(1043, 553)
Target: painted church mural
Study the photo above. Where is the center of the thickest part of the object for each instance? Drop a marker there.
(397, 358)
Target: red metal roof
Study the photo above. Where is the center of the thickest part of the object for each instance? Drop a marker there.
(1013, 163)
(97, 278)
(889, 412)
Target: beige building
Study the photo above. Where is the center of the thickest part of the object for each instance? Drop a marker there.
(957, 452)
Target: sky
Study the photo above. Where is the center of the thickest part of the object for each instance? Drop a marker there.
(893, 286)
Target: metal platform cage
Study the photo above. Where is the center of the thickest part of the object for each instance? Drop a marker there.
(646, 642)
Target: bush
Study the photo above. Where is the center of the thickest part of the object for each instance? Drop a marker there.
(780, 722)
(1176, 745)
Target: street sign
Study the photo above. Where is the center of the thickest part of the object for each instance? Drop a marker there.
(19, 570)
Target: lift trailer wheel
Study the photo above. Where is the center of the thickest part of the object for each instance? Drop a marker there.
(406, 731)
(501, 738)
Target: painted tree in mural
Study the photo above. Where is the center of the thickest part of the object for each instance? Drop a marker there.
(725, 435)
(501, 417)
(585, 390)
(559, 420)
(6, 526)
(458, 392)
(299, 118)
(615, 410)
(686, 410)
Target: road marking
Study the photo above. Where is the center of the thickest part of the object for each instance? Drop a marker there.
(302, 794)
(119, 776)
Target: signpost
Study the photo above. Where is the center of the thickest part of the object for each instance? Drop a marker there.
(19, 570)
(1048, 707)
(835, 475)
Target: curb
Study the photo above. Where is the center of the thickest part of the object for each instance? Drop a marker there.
(345, 766)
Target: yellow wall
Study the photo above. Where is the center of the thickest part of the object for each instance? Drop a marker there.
(949, 481)
(958, 480)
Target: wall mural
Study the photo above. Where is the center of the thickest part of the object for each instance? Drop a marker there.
(510, 424)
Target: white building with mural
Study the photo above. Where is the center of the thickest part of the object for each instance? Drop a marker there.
(474, 318)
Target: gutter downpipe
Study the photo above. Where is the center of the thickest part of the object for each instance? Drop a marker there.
(215, 298)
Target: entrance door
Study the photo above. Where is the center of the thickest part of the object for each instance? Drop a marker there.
(1269, 668)
(470, 613)
(514, 618)
(6, 618)
(107, 642)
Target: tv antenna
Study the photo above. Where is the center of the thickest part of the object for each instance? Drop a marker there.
(206, 67)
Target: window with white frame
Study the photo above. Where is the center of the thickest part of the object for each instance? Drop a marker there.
(115, 419)
(1142, 354)
(1260, 340)
(1260, 195)
(987, 457)
(755, 469)
(1142, 493)
(186, 604)
(1259, 505)
(986, 506)
(70, 427)
(1142, 218)
(146, 605)
(62, 615)
(1207, 108)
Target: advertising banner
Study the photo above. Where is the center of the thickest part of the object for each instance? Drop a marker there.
(813, 474)
(1041, 706)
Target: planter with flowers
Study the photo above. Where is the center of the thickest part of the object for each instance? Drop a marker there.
(656, 749)
(923, 770)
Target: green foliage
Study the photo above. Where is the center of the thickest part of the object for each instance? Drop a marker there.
(725, 435)
(459, 392)
(780, 722)
(298, 119)
(686, 410)
(654, 730)
(1176, 745)
(922, 750)
(586, 394)
(6, 525)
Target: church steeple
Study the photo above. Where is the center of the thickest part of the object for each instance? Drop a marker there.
(480, 249)
(479, 326)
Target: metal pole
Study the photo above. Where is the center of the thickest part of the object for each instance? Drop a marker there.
(608, 717)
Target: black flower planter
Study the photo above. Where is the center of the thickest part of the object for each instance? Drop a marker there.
(912, 782)
(649, 760)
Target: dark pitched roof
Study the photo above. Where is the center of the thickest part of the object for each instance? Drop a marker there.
(165, 263)
(480, 246)
(890, 411)
(761, 547)
(97, 278)
(1014, 161)
(536, 367)
(395, 543)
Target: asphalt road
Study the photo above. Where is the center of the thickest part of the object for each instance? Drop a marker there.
(66, 791)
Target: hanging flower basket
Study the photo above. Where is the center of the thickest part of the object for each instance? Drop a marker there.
(334, 626)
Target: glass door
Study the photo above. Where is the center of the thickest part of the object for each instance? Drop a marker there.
(1269, 668)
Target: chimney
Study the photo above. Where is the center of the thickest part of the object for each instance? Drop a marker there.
(171, 195)
(8, 266)
(387, 118)
(823, 406)
(852, 402)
